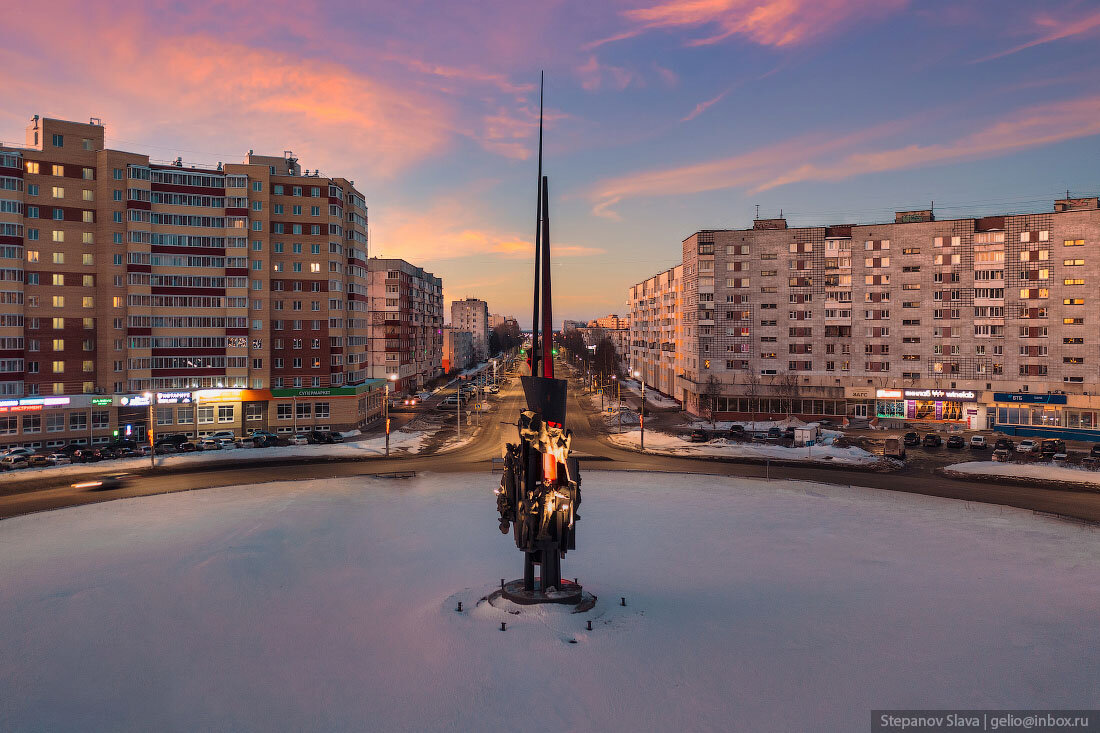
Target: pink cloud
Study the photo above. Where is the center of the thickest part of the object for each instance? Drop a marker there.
(1056, 29)
(703, 107)
(765, 22)
(595, 75)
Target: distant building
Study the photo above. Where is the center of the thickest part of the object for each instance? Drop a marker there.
(458, 349)
(572, 325)
(496, 319)
(611, 322)
(406, 323)
(472, 315)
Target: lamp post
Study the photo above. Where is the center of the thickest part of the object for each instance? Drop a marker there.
(641, 414)
(619, 397)
(386, 409)
(152, 451)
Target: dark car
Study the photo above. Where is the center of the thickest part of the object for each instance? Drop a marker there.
(40, 459)
(84, 454)
(774, 433)
(1050, 446)
(320, 436)
(105, 482)
(1094, 452)
(911, 439)
(1005, 444)
(931, 440)
(264, 439)
(698, 436)
(956, 441)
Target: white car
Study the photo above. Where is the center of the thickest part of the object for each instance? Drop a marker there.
(19, 452)
(978, 441)
(228, 443)
(60, 459)
(209, 444)
(1027, 446)
(299, 439)
(15, 460)
(223, 435)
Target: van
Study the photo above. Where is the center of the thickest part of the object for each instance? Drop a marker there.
(893, 448)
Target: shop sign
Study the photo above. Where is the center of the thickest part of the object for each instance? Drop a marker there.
(102, 401)
(328, 391)
(1027, 397)
(939, 395)
(39, 401)
(137, 400)
(173, 398)
(859, 393)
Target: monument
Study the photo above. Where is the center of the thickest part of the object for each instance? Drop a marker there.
(540, 490)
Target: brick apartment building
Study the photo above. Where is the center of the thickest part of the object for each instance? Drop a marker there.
(472, 315)
(406, 326)
(986, 322)
(458, 350)
(236, 295)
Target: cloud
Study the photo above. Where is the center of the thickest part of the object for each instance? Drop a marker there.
(594, 76)
(814, 158)
(703, 107)
(765, 22)
(1056, 29)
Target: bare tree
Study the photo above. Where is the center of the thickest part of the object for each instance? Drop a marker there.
(752, 390)
(712, 390)
(788, 388)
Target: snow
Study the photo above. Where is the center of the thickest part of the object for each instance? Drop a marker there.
(400, 442)
(656, 442)
(1044, 471)
(329, 605)
(652, 396)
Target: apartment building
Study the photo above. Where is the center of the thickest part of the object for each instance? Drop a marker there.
(232, 296)
(458, 350)
(611, 322)
(985, 322)
(656, 331)
(406, 323)
(472, 315)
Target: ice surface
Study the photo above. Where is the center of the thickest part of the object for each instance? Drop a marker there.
(657, 442)
(1045, 471)
(328, 605)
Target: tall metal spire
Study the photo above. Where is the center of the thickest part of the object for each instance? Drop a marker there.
(538, 247)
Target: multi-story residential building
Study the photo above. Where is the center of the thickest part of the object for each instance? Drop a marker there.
(568, 325)
(656, 333)
(986, 322)
(236, 296)
(406, 326)
(610, 322)
(458, 350)
(472, 315)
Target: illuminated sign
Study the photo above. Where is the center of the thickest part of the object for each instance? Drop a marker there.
(1035, 399)
(949, 395)
(219, 395)
(173, 398)
(101, 401)
(21, 408)
(138, 400)
(39, 401)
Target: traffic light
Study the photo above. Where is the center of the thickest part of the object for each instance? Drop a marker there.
(554, 352)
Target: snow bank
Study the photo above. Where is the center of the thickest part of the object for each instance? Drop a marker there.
(656, 442)
(329, 605)
(400, 442)
(1042, 471)
(652, 396)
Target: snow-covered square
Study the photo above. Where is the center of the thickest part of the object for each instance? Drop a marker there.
(330, 605)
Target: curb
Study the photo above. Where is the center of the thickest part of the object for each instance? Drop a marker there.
(1020, 481)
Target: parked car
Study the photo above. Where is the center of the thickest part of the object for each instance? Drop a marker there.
(39, 460)
(299, 439)
(1090, 463)
(955, 442)
(494, 389)
(227, 443)
(893, 448)
(19, 452)
(108, 481)
(176, 441)
(1094, 452)
(60, 459)
(1027, 446)
(15, 460)
(1052, 446)
(320, 436)
(223, 435)
(1004, 443)
(264, 439)
(1000, 455)
(775, 433)
(248, 442)
(1059, 459)
(977, 442)
(931, 440)
(209, 444)
(165, 448)
(698, 436)
(911, 439)
(84, 454)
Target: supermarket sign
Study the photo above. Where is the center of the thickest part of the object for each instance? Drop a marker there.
(939, 395)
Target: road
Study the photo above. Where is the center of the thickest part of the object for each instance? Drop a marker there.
(596, 453)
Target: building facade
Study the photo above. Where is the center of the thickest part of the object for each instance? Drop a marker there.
(986, 322)
(610, 322)
(458, 350)
(123, 276)
(406, 323)
(472, 315)
(656, 332)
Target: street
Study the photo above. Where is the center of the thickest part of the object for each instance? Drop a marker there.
(595, 454)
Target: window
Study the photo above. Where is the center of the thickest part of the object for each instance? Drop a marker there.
(164, 416)
(1074, 243)
(58, 192)
(321, 410)
(225, 413)
(206, 414)
(58, 141)
(284, 411)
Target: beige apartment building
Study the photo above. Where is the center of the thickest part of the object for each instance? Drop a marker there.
(472, 314)
(656, 331)
(236, 295)
(983, 322)
(406, 327)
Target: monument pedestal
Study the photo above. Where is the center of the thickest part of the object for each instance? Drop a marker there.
(569, 594)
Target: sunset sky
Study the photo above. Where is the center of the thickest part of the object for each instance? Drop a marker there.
(663, 116)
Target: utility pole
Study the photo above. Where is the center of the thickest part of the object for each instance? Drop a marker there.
(152, 451)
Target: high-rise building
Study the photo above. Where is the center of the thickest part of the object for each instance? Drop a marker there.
(979, 321)
(472, 315)
(406, 326)
(610, 322)
(656, 334)
(458, 350)
(236, 293)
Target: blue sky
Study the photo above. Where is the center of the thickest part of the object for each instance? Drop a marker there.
(664, 117)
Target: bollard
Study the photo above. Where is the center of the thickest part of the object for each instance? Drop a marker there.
(622, 601)
(503, 626)
(502, 583)
(589, 624)
(459, 609)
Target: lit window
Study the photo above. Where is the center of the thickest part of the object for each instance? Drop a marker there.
(87, 259)
(58, 170)
(59, 301)
(87, 194)
(58, 323)
(58, 192)
(88, 301)
(87, 238)
(59, 258)
(58, 235)
(59, 344)
(59, 279)
(58, 367)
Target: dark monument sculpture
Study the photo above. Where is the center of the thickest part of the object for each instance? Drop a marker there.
(541, 486)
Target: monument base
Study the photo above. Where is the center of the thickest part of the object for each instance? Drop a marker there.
(570, 593)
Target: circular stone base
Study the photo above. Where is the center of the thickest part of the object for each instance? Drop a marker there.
(570, 593)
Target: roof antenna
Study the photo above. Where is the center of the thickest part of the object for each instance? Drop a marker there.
(757, 212)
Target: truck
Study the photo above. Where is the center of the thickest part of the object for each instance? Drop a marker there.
(892, 448)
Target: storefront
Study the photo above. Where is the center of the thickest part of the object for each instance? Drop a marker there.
(194, 414)
(326, 408)
(51, 422)
(1070, 417)
(930, 405)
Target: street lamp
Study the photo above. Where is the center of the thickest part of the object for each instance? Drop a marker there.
(641, 415)
(619, 398)
(386, 409)
(152, 452)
